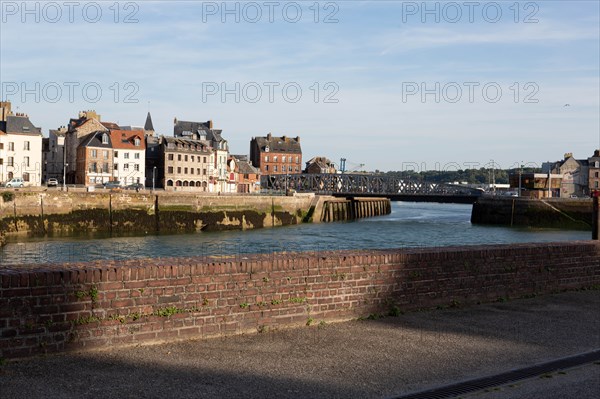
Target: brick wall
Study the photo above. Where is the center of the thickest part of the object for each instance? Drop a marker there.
(79, 306)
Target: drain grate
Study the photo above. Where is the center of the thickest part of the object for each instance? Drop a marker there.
(460, 388)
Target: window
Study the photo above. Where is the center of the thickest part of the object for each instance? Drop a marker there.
(93, 167)
(116, 154)
(94, 153)
(11, 146)
(283, 158)
(10, 175)
(116, 167)
(1, 146)
(297, 160)
(11, 161)
(26, 161)
(126, 166)
(136, 142)
(179, 157)
(186, 158)
(275, 168)
(104, 154)
(171, 145)
(137, 180)
(170, 169)
(597, 164)
(596, 174)
(170, 157)
(266, 158)
(136, 167)
(283, 168)
(204, 160)
(595, 184)
(204, 172)
(137, 155)
(25, 176)
(192, 171)
(275, 158)
(105, 138)
(185, 170)
(266, 168)
(26, 146)
(105, 167)
(126, 155)
(198, 170)
(179, 169)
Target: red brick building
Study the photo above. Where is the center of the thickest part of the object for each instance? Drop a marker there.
(276, 155)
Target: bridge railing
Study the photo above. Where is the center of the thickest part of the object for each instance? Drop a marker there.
(356, 184)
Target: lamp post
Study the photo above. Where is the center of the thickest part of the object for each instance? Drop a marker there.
(520, 178)
(153, 177)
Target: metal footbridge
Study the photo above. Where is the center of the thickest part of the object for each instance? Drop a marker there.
(371, 185)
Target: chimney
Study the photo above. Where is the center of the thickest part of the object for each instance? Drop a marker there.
(175, 121)
(298, 139)
(597, 153)
(269, 136)
(284, 138)
(210, 124)
(568, 155)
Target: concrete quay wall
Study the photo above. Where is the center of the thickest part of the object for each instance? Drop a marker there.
(65, 213)
(54, 308)
(553, 213)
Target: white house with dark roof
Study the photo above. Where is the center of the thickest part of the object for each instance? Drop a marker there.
(20, 147)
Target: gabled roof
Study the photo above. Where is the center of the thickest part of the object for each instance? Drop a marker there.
(57, 133)
(75, 124)
(247, 169)
(125, 139)
(95, 140)
(279, 144)
(148, 125)
(19, 125)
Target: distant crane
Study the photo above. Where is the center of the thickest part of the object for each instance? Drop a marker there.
(353, 169)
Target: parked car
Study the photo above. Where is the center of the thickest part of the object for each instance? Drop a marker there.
(16, 182)
(112, 184)
(52, 182)
(135, 186)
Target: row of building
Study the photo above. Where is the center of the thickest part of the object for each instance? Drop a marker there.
(567, 178)
(89, 151)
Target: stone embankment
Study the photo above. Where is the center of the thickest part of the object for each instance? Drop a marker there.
(525, 212)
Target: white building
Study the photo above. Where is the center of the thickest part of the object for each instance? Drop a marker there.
(54, 155)
(20, 148)
(129, 156)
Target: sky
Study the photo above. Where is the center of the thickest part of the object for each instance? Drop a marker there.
(386, 84)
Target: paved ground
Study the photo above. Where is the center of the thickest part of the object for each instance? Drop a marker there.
(362, 359)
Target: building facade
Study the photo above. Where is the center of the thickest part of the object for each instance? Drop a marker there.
(129, 156)
(54, 155)
(204, 132)
(94, 161)
(243, 177)
(186, 165)
(20, 147)
(594, 172)
(320, 165)
(276, 155)
(87, 122)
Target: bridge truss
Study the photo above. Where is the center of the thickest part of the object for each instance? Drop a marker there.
(362, 184)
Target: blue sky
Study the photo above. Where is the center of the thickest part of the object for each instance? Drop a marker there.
(375, 63)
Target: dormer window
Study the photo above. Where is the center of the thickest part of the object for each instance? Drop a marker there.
(137, 142)
(267, 149)
(105, 138)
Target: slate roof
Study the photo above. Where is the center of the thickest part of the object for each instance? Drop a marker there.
(57, 133)
(279, 144)
(186, 126)
(95, 140)
(247, 169)
(19, 125)
(179, 140)
(148, 125)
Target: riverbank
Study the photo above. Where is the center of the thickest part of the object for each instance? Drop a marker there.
(574, 214)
